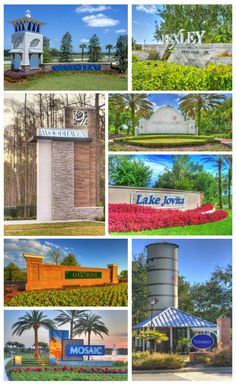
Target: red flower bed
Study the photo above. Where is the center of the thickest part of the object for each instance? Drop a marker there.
(125, 217)
(72, 369)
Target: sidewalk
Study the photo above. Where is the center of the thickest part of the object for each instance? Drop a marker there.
(185, 374)
(5, 372)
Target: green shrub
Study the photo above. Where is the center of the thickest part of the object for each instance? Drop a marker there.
(159, 141)
(160, 75)
(134, 58)
(157, 361)
(223, 358)
(202, 359)
(153, 56)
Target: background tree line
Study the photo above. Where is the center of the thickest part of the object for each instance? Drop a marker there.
(208, 300)
(215, 19)
(24, 115)
(92, 49)
(212, 112)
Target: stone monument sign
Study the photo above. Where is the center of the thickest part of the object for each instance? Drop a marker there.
(67, 169)
(166, 120)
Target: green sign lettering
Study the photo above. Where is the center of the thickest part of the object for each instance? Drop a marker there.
(83, 274)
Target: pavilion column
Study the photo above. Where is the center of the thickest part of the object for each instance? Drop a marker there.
(188, 332)
(171, 339)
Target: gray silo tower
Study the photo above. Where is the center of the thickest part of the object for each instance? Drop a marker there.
(162, 270)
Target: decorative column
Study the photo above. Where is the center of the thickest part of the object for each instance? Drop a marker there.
(224, 335)
(33, 267)
(114, 272)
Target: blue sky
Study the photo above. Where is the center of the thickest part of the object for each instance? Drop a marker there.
(143, 22)
(159, 163)
(82, 21)
(89, 252)
(197, 257)
(169, 99)
(115, 321)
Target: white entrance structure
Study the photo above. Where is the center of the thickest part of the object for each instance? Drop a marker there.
(27, 43)
(166, 120)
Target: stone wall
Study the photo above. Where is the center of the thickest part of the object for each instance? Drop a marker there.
(166, 120)
(120, 194)
(42, 276)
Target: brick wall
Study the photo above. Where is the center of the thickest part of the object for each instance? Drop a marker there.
(43, 276)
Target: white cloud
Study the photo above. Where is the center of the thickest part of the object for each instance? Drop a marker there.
(99, 20)
(146, 8)
(15, 248)
(122, 30)
(91, 8)
(84, 40)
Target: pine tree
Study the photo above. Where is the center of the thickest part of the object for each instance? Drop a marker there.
(46, 50)
(66, 48)
(122, 52)
(94, 49)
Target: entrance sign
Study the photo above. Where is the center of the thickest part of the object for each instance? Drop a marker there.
(76, 67)
(56, 133)
(202, 341)
(83, 274)
(160, 200)
(74, 350)
(55, 345)
(166, 120)
(183, 37)
(67, 168)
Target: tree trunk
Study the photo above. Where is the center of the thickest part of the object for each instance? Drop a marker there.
(97, 148)
(199, 120)
(132, 120)
(229, 184)
(36, 343)
(89, 337)
(220, 182)
(71, 329)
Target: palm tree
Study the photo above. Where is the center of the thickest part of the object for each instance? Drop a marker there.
(194, 104)
(137, 104)
(90, 323)
(33, 320)
(82, 47)
(109, 48)
(69, 316)
(218, 161)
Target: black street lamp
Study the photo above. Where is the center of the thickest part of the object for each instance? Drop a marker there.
(152, 303)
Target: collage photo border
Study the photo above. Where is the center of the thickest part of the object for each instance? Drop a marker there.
(129, 238)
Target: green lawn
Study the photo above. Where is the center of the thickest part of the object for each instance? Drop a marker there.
(223, 227)
(57, 228)
(92, 296)
(80, 81)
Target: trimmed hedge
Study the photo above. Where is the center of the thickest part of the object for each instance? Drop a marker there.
(158, 75)
(145, 361)
(156, 141)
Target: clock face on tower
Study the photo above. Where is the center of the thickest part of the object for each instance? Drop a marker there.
(80, 118)
(17, 42)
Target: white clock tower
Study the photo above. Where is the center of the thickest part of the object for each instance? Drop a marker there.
(27, 43)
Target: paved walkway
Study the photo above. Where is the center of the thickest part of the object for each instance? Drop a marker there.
(5, 372)
(209, 374)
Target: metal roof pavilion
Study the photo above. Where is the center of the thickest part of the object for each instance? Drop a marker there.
(174, 318)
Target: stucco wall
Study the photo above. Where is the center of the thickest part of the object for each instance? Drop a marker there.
(118, 194)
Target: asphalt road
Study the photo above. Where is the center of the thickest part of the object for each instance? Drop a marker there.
(214, 375)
